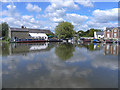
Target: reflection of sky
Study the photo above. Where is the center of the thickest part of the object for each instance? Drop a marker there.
(44, 69)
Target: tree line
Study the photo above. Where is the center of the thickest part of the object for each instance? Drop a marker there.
(4, 27)
(63, 30)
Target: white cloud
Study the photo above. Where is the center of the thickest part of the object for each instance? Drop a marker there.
(57, 13)
(26, 17)
(99, 25)
(14, 19)
(102, 18)
(57, 19)
(11, 7)
(69, 4)
(86, 3)
(11, 12)
(33, 8)
(76, 18)
(105, 16)
(55, 5)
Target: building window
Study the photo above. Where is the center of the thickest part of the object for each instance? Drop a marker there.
(108, 31)
(108, 47)
(114, 48)
(115, 35)
(108, 35)
(115, 30)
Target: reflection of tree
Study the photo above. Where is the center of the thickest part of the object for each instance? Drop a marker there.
(5, 49)
(65, 51)
(89, 46)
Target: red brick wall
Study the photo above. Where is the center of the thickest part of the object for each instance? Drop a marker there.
(117, 33)
(112, 33)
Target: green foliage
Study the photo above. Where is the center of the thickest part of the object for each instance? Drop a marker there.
(5, 49)
(88, 33)
(89, 46)
(4, 30)
(65, 51)
(48, 34)
(64, 30)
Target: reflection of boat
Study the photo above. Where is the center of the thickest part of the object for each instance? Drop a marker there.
(96, 41)
(55, 40)
(108, 41)
(85, 40)
(29, 40)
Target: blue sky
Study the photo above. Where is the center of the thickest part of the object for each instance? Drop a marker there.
(47, 15)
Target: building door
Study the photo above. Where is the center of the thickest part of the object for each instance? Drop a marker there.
(108, 35)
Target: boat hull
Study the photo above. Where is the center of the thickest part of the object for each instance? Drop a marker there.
(33, 41)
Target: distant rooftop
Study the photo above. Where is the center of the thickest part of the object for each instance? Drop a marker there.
(110, 28)
(30, 30)
(100, 33)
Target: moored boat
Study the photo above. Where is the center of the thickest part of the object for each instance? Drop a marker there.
(28, 40)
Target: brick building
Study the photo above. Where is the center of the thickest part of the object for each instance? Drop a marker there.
(112, 33)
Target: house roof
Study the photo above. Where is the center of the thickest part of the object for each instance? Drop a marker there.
(19, 29)
(99, 33)
(110, 28)
(31, 30)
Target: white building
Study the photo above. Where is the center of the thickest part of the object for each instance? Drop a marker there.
(98, 35)
(39, 35)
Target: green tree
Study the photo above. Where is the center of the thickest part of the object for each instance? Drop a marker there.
(91, 33)
(64, 30)
(88, 33)
(4, 29)
(65, 51)
(80, 33)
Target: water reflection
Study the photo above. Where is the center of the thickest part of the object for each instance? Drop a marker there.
(111, 49)
(45, 65)
(65, 51)
(23, 48)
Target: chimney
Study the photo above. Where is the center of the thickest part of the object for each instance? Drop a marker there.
(22, 26)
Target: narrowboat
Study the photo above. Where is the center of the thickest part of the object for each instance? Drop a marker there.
(28, 40)
(96, 41)
(85, 40)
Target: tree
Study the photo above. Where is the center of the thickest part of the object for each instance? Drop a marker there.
(81, 33)
(65, 51)
(64, 30)
(4, 29)
(91, 33)
(88, 33)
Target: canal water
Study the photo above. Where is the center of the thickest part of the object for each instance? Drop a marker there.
(59, 65)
